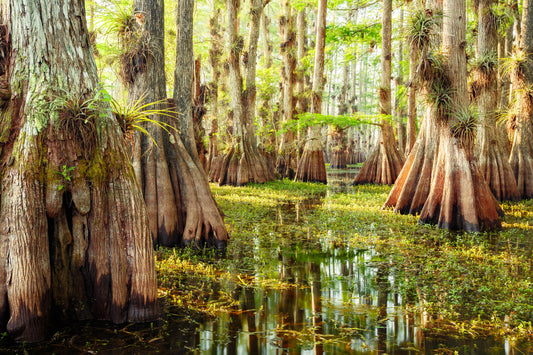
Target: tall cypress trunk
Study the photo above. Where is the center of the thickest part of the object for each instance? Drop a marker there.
(148, 83)
(493, 161)
(311, 166)
(521, 158)
(399, 110)
(215, 52)
(459, 197)
(339, 152)
(203, 222)
(74, 231)
(243, 163)
(385, 162)
(413, 184)
(286, 163)
(181, 207)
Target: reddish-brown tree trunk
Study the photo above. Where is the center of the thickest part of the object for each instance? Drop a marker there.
(493, 151)
(74, 234)
(286, 163)
(521, 158)
(459, 197)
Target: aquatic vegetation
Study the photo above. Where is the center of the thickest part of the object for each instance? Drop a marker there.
(462, 278)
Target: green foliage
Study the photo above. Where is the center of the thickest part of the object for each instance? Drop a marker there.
(516, 64)
(471, 278)
(465, 126)
(485, 63)
(422, 28)
(133, 116)
(65, 174)
(268, 80)
(342, 121)
(117, 19)
(353, 33)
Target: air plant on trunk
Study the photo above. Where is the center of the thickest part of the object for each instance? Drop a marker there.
(464, 126)
(133, 116)
(483, 74)
(421, 31)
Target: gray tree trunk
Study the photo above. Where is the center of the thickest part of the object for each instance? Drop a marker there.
(74, 231)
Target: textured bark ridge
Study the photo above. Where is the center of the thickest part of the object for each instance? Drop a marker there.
(494, 151)
(243, 162)
(412, 186)
(385, 161)
(521, 158)
(176, 191)
(287, 159)
(311, 166)
(459, 197)
(73, 225)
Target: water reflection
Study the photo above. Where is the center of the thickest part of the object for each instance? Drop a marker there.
(331, 299)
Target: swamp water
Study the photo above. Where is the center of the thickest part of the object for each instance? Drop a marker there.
(306, 284)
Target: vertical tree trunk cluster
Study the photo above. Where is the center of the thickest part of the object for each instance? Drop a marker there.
(493, 150)
(459, 197)
(385, 162)
(410, 192)
(74, 234)
(286, 163)
(521, 158)
(311, 166)
(181, 207)
(243, 163)
(214, 159)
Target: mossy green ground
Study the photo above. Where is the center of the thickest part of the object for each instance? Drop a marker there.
(473, 284)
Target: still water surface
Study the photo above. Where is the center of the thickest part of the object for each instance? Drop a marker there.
(337, 301)
(328, 299)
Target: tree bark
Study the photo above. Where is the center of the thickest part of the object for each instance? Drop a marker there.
(412, 186)
(243, 163)
(214, 159)
(148, 83)
(459, 198)
(493, 162)
(521, 158)
(173, 180)
(286, 163)
(385, 162)
(74, 231)
(203, 222)
(311, 166)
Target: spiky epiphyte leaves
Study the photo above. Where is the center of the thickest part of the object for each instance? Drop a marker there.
(133, 116)
(483, 73)
(78, 119)
(422, 29)
(516, 66)
(464, 126)
(119, 20)
(134, 42)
